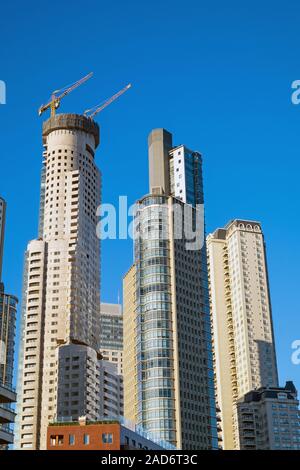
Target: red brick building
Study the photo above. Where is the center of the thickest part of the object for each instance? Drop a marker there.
(104, 435)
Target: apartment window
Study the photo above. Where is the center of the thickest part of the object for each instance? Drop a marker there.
(107, 438)
(71, 439)
(86, 439)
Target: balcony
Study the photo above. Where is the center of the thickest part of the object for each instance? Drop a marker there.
(6, 415)
(7, 395)
(6, 435)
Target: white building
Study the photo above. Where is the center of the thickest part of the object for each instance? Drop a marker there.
(62, 271)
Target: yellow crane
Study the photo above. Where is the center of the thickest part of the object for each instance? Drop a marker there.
(57, 96)
(91, 113)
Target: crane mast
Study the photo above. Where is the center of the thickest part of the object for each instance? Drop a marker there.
(57, 96)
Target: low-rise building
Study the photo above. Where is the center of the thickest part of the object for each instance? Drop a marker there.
(101, 435)
(269, 419)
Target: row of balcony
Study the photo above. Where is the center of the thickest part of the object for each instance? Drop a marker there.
(7, 416)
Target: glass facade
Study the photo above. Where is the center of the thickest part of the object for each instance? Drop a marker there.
(193, 177)
(8, 312)
(111, 329)
(155, 374)
(173, 345)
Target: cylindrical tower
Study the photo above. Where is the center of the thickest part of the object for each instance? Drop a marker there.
(62, 277)
(155, 349)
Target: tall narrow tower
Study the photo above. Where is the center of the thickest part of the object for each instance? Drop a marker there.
(61, 294)
(169, 388)
(242, 319)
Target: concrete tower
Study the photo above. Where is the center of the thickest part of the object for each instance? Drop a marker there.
(169, 388)
(244, 348)
(61, 294)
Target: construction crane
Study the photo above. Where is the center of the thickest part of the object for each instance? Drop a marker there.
(57, 95)
(91, 113)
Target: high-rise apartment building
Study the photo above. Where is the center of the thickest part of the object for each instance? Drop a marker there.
(8, 315)
(111, 334)
(87, 385)
(243, 339)
(166, 305)
(269, 419)
(130, 343)
(61, 304)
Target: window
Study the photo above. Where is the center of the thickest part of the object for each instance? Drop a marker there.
(56, 440)
(107, 438)
(71, 439)
(86, 439)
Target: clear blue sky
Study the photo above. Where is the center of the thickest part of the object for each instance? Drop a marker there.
(216, 74)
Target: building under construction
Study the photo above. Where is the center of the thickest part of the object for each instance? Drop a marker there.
(61, 291)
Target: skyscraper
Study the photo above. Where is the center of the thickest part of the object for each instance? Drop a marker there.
(61, 292)
(166, 305)
(244, 349)
(8, 314)
(111, 334)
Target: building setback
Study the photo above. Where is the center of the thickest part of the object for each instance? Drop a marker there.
(269, 419)
(167, 306)
(61, 289)
(243, 339)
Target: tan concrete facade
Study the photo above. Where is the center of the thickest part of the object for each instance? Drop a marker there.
(129, 364)
(159, 145)
(244, 351)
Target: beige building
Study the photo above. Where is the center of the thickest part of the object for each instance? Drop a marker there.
(61, 291)
(129, 370)
(243, 339)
